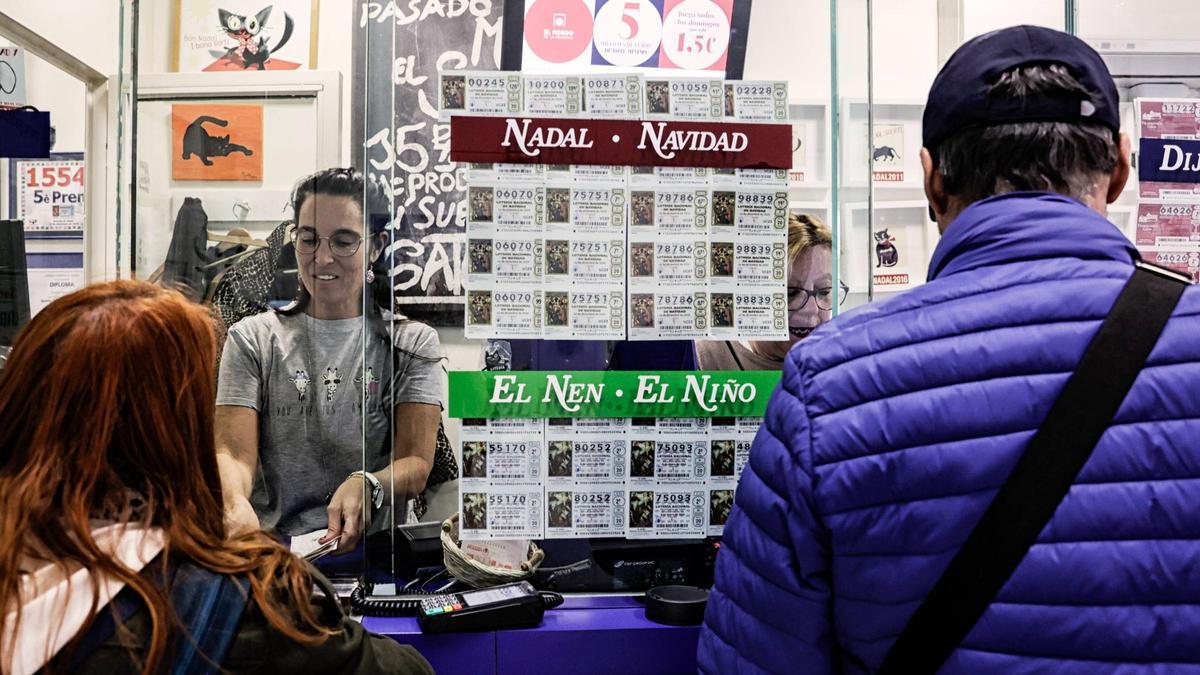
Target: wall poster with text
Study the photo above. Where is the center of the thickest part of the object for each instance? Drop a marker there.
(403, 143)
(48, 195)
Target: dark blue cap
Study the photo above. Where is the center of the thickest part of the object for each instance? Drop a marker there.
(959, 97)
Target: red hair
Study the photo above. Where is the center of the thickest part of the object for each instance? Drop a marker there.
(108, 390)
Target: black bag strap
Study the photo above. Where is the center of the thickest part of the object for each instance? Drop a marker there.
(1043, 474)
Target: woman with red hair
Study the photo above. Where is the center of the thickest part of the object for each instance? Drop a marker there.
(113, 550)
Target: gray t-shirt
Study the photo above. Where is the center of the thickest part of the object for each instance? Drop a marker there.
(306, 378)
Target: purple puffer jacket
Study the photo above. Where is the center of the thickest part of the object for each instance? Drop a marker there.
(895, 425)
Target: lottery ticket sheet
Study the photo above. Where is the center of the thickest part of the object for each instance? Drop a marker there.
(659, 457)
(747, 264)
(509, 312)
(613, 96)
(1177, 119)
(584, 280)
(639, 253)
(553, 96)
(501, 479)
(729, 442)
(501, 207)
(684, 99)
(504, 260)
(756, 101)
(1168, 234)
(586, 477)
(640, 478)
(668, 279)
(480, 93)
(667, 512)
(668, 468)
(1167, 230)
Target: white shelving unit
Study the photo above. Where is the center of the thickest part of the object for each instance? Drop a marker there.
(810, 146)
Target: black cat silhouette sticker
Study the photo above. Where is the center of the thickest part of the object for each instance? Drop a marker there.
(885, 153)
(198, 142)
(216, 142)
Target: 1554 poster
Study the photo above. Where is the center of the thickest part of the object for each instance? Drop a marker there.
(48, 195)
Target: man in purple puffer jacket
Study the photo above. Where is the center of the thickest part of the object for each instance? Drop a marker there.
(895, 425)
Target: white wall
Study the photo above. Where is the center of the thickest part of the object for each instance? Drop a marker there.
(88, 29)
(89, 32)
(789, 40)
(981, 16)
(1145, 19)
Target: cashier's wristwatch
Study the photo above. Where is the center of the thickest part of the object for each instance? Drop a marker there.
(376, 488)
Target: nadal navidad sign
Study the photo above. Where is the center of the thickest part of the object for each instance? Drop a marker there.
(543, 140)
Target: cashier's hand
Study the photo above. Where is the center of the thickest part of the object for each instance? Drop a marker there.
(346, 515)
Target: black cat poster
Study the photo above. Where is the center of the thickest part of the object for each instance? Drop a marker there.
(216, 142)
(244, 35)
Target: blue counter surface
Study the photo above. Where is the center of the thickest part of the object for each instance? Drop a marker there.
(586, 634)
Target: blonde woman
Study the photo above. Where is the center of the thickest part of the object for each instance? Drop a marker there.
(812, 293)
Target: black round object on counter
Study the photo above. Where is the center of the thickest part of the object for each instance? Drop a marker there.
(676, 605)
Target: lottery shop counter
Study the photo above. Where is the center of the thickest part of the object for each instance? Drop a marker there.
(589, 632)
(586, 634)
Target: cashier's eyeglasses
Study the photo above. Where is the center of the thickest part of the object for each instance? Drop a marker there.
(823, 296)
(342, 244)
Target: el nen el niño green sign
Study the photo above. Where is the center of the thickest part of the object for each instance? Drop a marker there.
(607, 393)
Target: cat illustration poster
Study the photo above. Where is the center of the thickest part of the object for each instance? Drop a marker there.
(887, 153)
(216, 142)
(244, 35)
(898, 255)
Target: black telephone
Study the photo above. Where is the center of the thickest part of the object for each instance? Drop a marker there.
(516, 605)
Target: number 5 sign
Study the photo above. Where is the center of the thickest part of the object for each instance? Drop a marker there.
(48, 195)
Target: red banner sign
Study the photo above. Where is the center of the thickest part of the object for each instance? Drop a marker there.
(540, 140)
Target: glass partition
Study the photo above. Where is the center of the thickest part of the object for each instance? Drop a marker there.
(353, 397)
(244, 200)
(56, 231)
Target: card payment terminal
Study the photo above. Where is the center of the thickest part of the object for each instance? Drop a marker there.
(510, 606)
